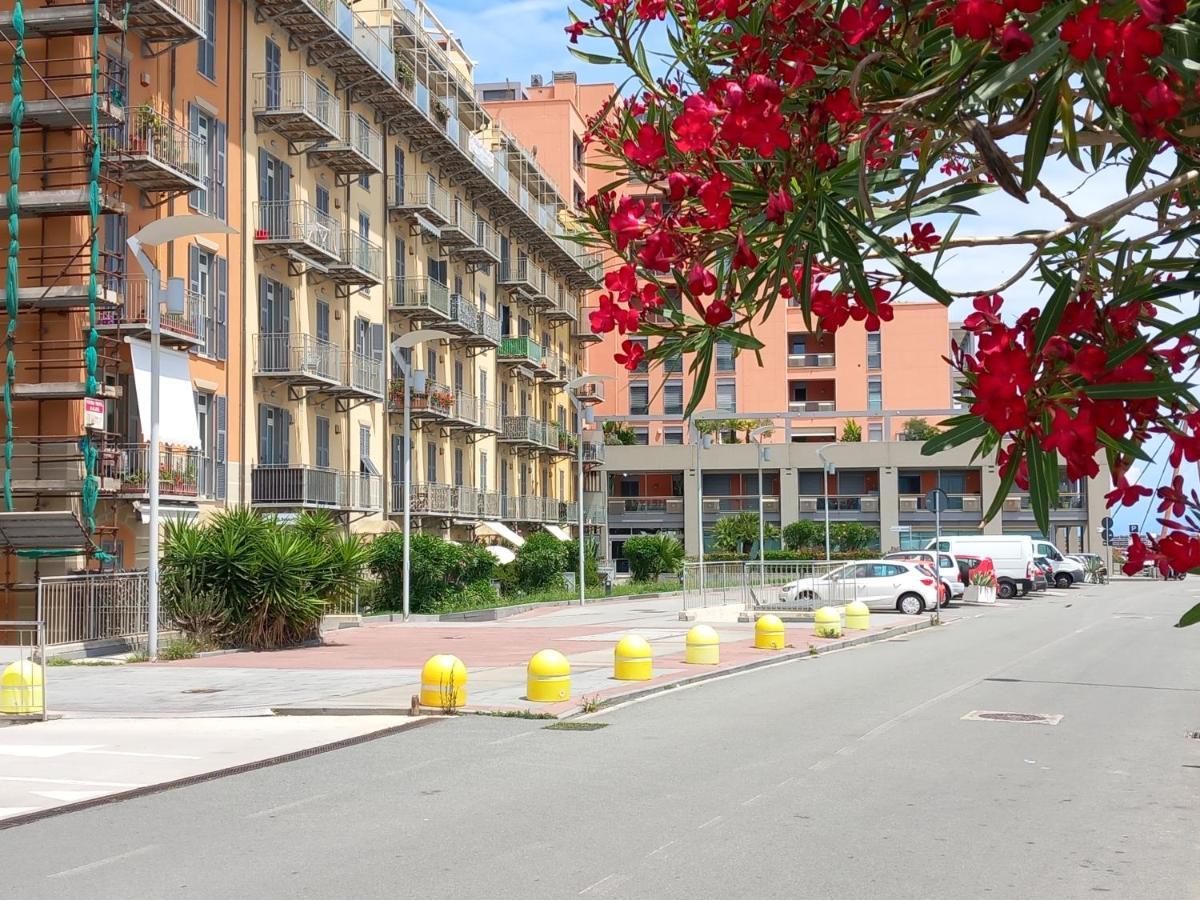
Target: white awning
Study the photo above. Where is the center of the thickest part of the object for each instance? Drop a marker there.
(177, 425)
(501, 530)
(503, 554)
(165, 511)
(557, 532)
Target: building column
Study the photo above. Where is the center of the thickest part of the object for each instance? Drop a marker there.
(789, 498)
(691, 540)
(989, 484)
(1097, 509)
(889, 508)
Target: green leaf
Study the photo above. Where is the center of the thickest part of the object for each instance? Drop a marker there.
(595, 59)
(1041, 488)
(1191, 617)
(972, 429)
(1133, 390)
(1066, 113)
(1040, 130)
(1006, 483)
(1123, 446)
(909, 268)
(1019, 70)
(1138, 167)
(1052, 313)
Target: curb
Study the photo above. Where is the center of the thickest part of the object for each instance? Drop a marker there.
(493, 613)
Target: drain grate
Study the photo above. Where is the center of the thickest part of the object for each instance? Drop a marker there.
(976, 715)
(576, 726)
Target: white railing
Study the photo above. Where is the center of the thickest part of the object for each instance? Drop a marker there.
(150, 134)
(297, 221)
(298, 354)
(297, 93)
(811, 360)
(95, 607)
(420, 292)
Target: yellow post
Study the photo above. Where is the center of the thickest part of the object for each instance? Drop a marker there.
(769, 633)
(858, 617)
(703, 646)
(548, 677)
(827, 622)
(21, 689)
(632, 659)
(444, 683)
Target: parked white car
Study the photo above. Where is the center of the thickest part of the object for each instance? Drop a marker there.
(879, 583)
(948, 569)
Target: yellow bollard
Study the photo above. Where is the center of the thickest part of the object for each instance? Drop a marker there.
(21, 689)
(768, 633)
(858, 617)
(632, 660)
(444, 682)
(703, 646)
(827, 622)
(549, 677)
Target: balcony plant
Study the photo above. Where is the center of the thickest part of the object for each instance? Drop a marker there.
(149, 129)
(616, 434)
(441, 111)
(851, 432)
(134, 482)
(442, 400)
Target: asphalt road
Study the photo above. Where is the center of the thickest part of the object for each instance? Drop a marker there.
(849, 775)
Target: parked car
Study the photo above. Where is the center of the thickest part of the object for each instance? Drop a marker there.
(953, 582)
(1011, 555)
(879, 583)
(1043, 573)
(1067, 571)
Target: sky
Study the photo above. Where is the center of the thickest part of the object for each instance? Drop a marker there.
(513, 40)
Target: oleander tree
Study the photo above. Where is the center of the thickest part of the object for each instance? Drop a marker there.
(808, 152)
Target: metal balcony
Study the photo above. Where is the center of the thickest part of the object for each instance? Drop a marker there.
(459, 229)
(421, 298)
(520, 351)
(435, 401)
(312, 487)
(522, 431)
(132, 317)
(464, 316)
(358, 150)
(484, 246)
(298, 359)
(590, 393)
(419, 196)
(167, 21)
(179, 471)
(798, 406)
(297, 225)
(361, 262)
(581, 329)
(425, 499)
(543, 286)
(593, 453)
(565, 306)
(158, 155)
(811, 360)
(296, 107)
(362, 378)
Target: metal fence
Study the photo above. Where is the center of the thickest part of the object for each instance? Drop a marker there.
(23, 662)
(96, 606)
(783, 585)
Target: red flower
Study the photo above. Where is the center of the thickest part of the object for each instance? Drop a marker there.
(660, 251)
(857, 24)
(1173, 497)
(626, 223)
(701, 281)
(923, 237)
(714, 195)
(840, 105)
(1126, 494)
(677, 186)
(1075, 438)
(778, 206)
(718, 313)
(631, 354)
(694, 128)
(986, 315)
(1025, 6)
(1136, 555)
(623, 280)
(832, 310)
(1090, 363)
(977, 19)
(743, 256)
(1089, 33)
(1015, 42)
(1162, 12)
(649, 147)
(825, 157)
(575, 29)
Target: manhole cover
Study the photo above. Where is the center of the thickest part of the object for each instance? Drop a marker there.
(202, 691)
(576, 726)
(1020, 718)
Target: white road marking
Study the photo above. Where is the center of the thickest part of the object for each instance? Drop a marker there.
(598, 883)
(756, 797)
(662, 848)
(7, 812)
(113, 784)
(283, 806)
(108, 860)
(713, 821)
(142, 755)
(787, 781)
(45, 751)
(68, 796)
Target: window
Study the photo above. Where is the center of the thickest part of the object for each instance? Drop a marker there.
(362, 336)
(673, 436)
(322, 456)
(458, 466)
(274, 71)
(673, 398)
(322, 321)
(641, 436)
(208, 279)
(431, 466)
(206, 52)
(274, 424)
(874, 393)
(875, 431)
(431, 367)
(398, 265)
(206, 425)
(639, 399)
(365, 465)
(908, 484)
(200, 125)
(874, 350)
(322, 200)
(798, 344)
(673, 365)
(725, 356)
(727, 394)
(482, 484)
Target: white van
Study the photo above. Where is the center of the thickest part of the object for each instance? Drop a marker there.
(1067, 571)
(1011, 554)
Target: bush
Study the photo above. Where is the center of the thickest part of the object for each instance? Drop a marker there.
(851, 432)
(853, 537)
(917, 429)
(651, 555)
(804, 533)
(591, 565)
(440, 571)
(540, 562)
(739, 533)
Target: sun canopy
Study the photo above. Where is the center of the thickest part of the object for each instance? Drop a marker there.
(503, 554)
(501, 530)
(177, 424)
(557, 532)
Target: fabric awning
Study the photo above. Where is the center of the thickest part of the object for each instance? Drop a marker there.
(557, 532)
(501, 530)
(177, 424)
(165, 511)
(503, 554)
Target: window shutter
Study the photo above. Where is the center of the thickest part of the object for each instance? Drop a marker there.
(285, 182)
(285, 318)
(193, 268)
(222, 304)
(219, 168)
(376, 342)
(219, 488)
(194, 131)
(264, 451)
(285, 445)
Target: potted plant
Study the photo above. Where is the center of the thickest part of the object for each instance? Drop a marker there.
(134, 482)
(442, 400)
(982, 588)
(440, 111)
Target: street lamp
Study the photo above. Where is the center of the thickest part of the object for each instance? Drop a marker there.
(162, 231)
(827, 469)
(702, 441)
(571, 387)
(407, 342)
(757, 435)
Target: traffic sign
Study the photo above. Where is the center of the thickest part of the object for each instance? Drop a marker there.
(1107, 522)
(1133, 529)
(936, 500)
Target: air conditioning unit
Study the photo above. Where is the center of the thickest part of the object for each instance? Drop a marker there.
(972, 504)
(908, 504)
(808, 504)
(869, 504)
(1012, 504)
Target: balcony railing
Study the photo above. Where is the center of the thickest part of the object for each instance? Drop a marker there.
(170, 21)
(523, 430)
(645, 506)
(714, 505)
(435, 401)
(460, 223)
(296, 223)
(179, 471)
(857, 503)
(357, 150)
(798, 406)
(464, 315)
(298, 357)
(811, 360)
(520, 350)
(419, 195)
(133, 316)
(489, 329)
(954, 503)
(160, 155)
(1067, 500)
(421, 297)
(364, 374)
(361, 261)
(297, 106)
(312, 486)
(593, 452)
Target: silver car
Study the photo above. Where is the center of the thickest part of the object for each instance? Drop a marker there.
(879, 583)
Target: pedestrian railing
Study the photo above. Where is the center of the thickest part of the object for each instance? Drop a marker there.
(96, 606)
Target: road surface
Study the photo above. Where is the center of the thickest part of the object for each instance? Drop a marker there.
(850, 775)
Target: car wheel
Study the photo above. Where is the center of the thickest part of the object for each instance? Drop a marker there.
(1005, 590)
(947, 595)
(1063, 580)
(809, 598)
(911, 604)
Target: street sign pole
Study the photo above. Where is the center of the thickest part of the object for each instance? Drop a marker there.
(935, 500)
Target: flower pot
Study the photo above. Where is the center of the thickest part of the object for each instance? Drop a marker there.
(976, 593)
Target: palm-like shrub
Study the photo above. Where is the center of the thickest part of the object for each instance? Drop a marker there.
(651, 555)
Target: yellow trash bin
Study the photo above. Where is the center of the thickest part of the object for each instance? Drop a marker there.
(703, 646)
(769, 633)
(858, 617)
(444, 682)
(827, 622)
(549, 677)
(632, 659)
(21, 689)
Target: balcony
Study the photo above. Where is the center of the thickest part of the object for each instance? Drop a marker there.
(464, 316)
(520, 351)
(357, 151)
(1068, 502)
(311, 487)
(813, 406)
(132, 318)
(472, 415)
(955, 503)
(730, 504)
(522, 431)
(158, 155)
(590, 393)
(297, 225)
(483, 248)
(179, 472)
(485, 335)
(361, 262)
(421, 298)
(298, 359)
(565, 307)
(646, 509)
(811, 360)
(167, 21)
(841, 506)
(595, 509)
(419, 196)
(362, 379)
(435, 402)
(459, 229)
(593, 454)
(581, 329)
(430, 499)
(548, 368)
(296, 107)
(525, 277)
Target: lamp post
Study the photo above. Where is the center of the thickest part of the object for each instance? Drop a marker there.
(161, 231)
(702, 441)
(757, 435)
(407, 342)
(571, 387)
(827, 469)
